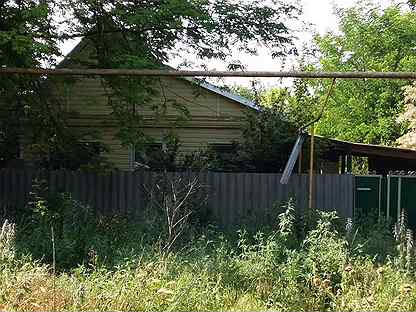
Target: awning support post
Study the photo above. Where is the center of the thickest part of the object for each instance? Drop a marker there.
(311, 160)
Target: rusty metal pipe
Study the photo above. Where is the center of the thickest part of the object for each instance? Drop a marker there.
(192, 73)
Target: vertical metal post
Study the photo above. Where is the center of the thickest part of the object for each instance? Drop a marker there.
(379, 197)
(343, 165)
(311, 159)
(300, 162)
(399, 197)
(388, 197)
(349, 163)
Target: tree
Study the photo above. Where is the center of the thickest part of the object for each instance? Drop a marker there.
(29, 114)
(267, 139)
(147, 34)
(269, 133)
(408, 140)
(121, 34)
(265, 144)
(146, 31)
(27, 39)
(298, 105)
(370, 40)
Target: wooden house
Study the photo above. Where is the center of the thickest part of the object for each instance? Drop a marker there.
(215, 115)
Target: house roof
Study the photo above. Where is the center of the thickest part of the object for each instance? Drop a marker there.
(222, 92)
(203, 84)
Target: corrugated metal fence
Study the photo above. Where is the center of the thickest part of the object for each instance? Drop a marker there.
(231, 197)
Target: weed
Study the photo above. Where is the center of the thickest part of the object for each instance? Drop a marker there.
(7, 242)
(122, 267)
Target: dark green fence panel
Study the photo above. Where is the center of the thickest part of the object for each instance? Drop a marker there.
(386, 197)
(367, 195)
(408, 199)
(393, 195)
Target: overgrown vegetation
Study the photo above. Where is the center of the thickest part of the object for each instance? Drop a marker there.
(129, 34)
(113, 263)
(370, 39)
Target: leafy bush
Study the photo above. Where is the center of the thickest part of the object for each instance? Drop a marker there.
(71, 223)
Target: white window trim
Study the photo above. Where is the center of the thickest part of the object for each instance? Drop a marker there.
(131, 156)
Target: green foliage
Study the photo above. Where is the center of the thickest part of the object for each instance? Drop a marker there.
(170, 221)
(166, 158)
(210, 159)
(27, 39)
(286, 224)
(267, 139)
(269, 133)
(370, 40)
(298, 103)
(29, 114)
(71, 153)
(375, 237)
(125, 270)
(129, 34)
(142, 32)
(27, 35)
(323, 238)
(147, 35)
(73, 226)
(405, 244)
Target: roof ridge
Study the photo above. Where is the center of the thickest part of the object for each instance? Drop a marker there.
(202, 83)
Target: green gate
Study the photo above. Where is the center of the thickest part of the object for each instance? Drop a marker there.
(386, 197)
(367, 195)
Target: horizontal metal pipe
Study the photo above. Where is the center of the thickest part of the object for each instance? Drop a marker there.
(191, 73)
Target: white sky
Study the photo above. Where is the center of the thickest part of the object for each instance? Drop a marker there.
(320, 13)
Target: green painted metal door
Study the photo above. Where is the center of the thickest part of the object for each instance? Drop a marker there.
(367, 195)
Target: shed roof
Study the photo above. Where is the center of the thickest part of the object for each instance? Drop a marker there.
(368, 150)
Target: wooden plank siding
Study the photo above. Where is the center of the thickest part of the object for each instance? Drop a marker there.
(90, 96)
(214, 118)
(232, 198)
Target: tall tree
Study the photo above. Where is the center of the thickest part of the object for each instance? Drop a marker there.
(122, 34)
(297, 104)
(370, 39)
(408, 140)
(151, 30)
(27, 39)
(147, 34)
(29, 115)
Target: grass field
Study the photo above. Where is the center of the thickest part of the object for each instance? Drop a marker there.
(116, 264)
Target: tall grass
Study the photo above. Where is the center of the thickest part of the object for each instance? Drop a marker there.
(120, 265)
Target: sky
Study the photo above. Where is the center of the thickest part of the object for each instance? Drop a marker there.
(319, 13)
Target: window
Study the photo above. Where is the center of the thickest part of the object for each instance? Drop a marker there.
(92, 148)
(224, 152)
(74, 156)
(223, 148)
(148, 155)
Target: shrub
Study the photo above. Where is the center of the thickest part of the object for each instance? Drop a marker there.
(326, 250)
(72, 224)
(122, 267)
(174, 207)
